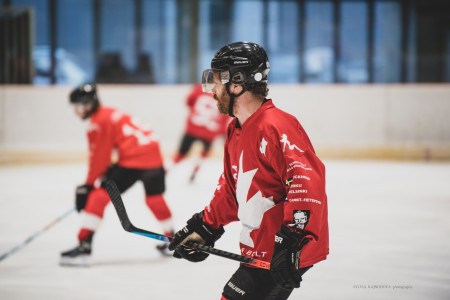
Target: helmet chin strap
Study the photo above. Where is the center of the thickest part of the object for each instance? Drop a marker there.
(232, 98)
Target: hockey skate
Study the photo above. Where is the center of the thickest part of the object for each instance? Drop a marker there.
(78, 256)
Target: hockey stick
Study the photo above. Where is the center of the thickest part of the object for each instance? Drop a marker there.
(117, 201)
(33, 236)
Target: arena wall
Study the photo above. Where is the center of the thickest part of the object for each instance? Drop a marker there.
(343, 121)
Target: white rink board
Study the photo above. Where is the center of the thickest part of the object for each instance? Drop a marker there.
(409, 120)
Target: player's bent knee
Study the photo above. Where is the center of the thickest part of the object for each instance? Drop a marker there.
(98, 199)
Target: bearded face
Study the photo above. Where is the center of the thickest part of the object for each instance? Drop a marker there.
(221, 95)
(223, 102)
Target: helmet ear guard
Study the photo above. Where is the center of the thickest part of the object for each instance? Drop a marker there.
(238, 78)
(260, 75)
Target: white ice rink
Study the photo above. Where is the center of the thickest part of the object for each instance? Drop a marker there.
(389, 237)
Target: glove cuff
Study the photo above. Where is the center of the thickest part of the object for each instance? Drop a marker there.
(209, 234)
(287, 239)
(84, 189)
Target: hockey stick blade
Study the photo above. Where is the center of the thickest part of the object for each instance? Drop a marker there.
(117, 201)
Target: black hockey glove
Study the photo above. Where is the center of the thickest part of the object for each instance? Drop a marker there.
(81, 196)
(198, 232)
(284, 266)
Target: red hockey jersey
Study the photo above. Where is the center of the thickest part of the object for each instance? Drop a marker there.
(111, 130)
(204, 120)
(271, 176)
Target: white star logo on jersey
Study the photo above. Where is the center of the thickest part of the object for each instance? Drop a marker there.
(285, 141)
(262, 147)
(251, 211)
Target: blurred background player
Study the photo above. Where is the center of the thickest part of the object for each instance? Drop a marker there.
(204, 124)
(139, 158)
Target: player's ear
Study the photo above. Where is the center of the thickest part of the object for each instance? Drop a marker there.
(237, 88)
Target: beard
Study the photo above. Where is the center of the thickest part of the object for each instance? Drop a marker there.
(223, 103)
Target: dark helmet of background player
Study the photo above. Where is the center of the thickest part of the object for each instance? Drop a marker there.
(246, 62)
(85, 94)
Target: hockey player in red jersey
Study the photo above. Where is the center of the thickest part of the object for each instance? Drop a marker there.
(204, 123)
(273, 182)
(139, 158)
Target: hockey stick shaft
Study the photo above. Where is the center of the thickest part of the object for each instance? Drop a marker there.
(35, 235)
(210, 250)
(117, 201)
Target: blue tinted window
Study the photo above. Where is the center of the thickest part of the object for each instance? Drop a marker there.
(352, 65)
(75, 55)
(283, 41)
(41, 48)
(247, 24)
(319, 52)
(387, 54)
(117, 39)
(169, 41)
(41, 19)
(155, 33)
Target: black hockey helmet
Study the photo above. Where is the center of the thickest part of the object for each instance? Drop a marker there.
(85, 93)
(245, 62)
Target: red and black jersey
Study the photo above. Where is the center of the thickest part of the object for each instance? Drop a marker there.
(271, 176)
(204, 120)
(110, 129)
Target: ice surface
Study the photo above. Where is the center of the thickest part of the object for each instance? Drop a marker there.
(389, 226)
